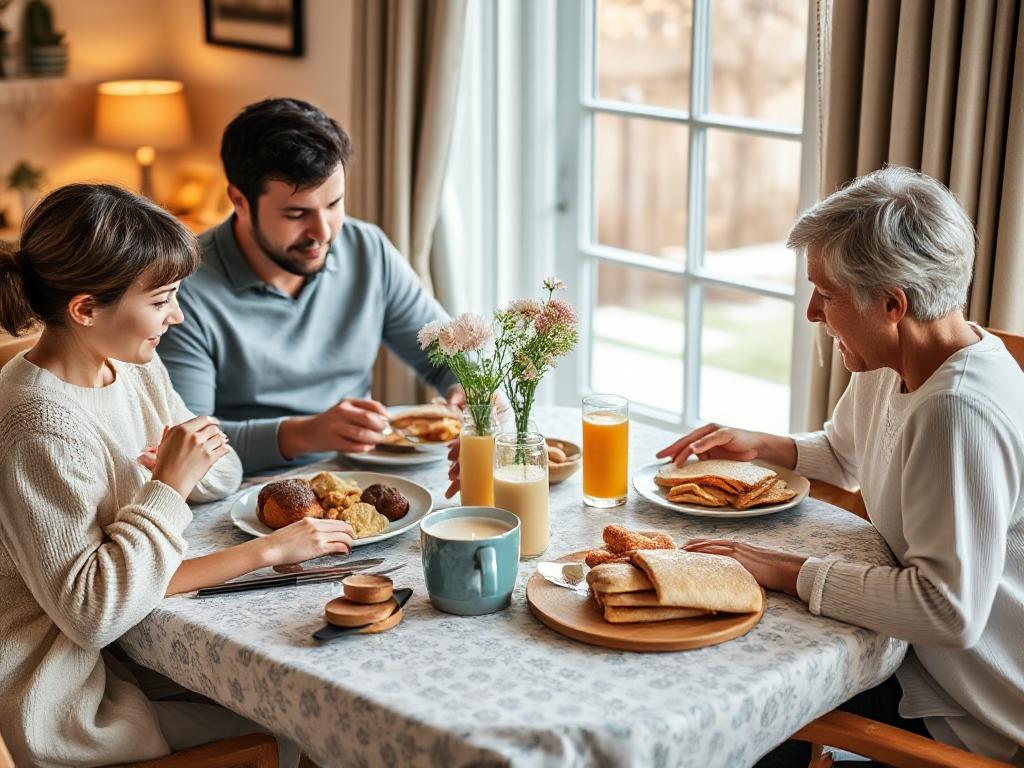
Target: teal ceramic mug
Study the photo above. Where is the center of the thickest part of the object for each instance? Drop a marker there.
(470, 559)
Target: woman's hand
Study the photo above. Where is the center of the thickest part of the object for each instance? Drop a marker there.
(187, 451)
(305, 539)
(715, 442)
(772, 569)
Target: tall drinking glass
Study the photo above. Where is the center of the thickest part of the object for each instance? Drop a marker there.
(476, 455)
(521, 486)
(605, 450)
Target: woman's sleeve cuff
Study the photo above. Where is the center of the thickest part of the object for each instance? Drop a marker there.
(810, 582)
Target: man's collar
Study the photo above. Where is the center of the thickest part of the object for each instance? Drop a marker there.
(237, 268)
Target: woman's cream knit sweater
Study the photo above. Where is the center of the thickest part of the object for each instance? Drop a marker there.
(942, 474)
(88, 544)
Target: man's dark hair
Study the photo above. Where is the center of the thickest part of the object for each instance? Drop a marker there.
(281, 140)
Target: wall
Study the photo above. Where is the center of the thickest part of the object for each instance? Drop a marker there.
(164, 38)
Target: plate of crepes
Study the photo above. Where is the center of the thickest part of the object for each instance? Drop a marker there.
(376, 506)
(721, 488)
(645, 594)
(419, 434)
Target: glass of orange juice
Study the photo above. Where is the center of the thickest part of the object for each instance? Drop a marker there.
(605, 450)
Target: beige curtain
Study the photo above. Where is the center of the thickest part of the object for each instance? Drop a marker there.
(407, 57)
(936, 85)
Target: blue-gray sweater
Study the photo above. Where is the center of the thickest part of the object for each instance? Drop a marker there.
(251, 355)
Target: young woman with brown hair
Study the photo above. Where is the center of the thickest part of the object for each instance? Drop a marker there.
(91, 536)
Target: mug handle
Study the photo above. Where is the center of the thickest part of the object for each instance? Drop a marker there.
(488, 560)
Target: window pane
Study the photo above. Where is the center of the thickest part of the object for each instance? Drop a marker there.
(758, 56)
(745, 350)
(640, 184)
(638, 336)
(753, 186)
(643, 51)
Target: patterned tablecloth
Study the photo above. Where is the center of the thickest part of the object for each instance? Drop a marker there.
(502, 689)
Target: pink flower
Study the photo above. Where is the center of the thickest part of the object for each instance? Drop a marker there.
(473, 332)
(447, 339)
(555, 312)
(429, 333)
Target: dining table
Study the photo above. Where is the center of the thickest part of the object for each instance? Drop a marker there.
(503, 688)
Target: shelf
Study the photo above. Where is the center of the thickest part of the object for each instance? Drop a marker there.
(23, 92)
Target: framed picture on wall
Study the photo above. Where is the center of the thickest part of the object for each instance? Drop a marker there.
(273, 26)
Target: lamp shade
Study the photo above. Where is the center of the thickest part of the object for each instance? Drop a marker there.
(136, 113)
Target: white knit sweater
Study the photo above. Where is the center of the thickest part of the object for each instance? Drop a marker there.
(942, 474)
(88, 544)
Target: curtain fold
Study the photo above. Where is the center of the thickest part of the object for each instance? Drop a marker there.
(936, 85)
(409, 53)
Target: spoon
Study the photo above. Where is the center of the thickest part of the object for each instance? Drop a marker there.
(569, 575)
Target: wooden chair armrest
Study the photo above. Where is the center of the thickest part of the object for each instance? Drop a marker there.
(255, 750)
(887, 744)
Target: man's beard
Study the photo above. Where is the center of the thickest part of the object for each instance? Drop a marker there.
(295, 265)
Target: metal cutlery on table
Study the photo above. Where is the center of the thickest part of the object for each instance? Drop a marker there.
(313, 576)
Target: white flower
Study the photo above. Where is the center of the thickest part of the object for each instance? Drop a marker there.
(528, 308)
(553, 284)
(429, 333)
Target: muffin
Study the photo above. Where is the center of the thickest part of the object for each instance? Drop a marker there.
(387, 500)
(284, 502)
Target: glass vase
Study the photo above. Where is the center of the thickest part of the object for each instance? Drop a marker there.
(480, 423)
(521, 486)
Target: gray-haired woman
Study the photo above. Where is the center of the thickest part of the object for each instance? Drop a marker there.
(931, 429)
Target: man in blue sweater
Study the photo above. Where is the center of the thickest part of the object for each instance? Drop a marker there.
(285, 316)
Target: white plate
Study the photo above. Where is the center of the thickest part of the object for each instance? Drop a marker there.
(424, 453)
(243, 511)
(643, 483)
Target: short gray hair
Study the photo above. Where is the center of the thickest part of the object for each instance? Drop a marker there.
(894, 228)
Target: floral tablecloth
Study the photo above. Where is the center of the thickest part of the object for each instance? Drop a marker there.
(503, 689)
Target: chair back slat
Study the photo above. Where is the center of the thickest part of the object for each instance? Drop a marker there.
(1014, 344)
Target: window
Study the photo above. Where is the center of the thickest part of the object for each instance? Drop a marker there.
(682, 125)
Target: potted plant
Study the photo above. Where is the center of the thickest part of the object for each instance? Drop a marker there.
(27, 180)
(45, 52)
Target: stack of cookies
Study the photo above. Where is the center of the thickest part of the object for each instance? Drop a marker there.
(722, 483)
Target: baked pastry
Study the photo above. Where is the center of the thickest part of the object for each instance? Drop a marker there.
(284, 502)
(431, 423)
(364, 519)
(388, 501)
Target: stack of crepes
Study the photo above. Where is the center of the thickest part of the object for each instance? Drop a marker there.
(722, 483)
(664, 583)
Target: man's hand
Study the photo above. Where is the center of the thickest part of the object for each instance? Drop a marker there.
(354, 425)
(773, 570)
(456, 396)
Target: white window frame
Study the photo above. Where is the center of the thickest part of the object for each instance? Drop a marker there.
(513, 204)
(577, 253)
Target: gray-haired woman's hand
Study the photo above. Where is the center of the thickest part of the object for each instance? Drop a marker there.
(716, 442)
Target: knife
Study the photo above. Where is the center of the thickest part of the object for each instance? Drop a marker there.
(330, 632)
(288, 579)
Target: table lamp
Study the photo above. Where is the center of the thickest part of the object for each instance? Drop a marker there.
(144, 115)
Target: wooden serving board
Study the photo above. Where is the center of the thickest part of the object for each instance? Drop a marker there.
(576, 615)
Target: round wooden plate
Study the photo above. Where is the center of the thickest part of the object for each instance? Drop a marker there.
(576, 615)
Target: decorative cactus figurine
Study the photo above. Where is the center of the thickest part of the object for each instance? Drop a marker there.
(39, 25)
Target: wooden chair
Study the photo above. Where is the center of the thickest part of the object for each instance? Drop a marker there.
(256, 750)
(860, 735)
(12, 345)
(884, 743)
